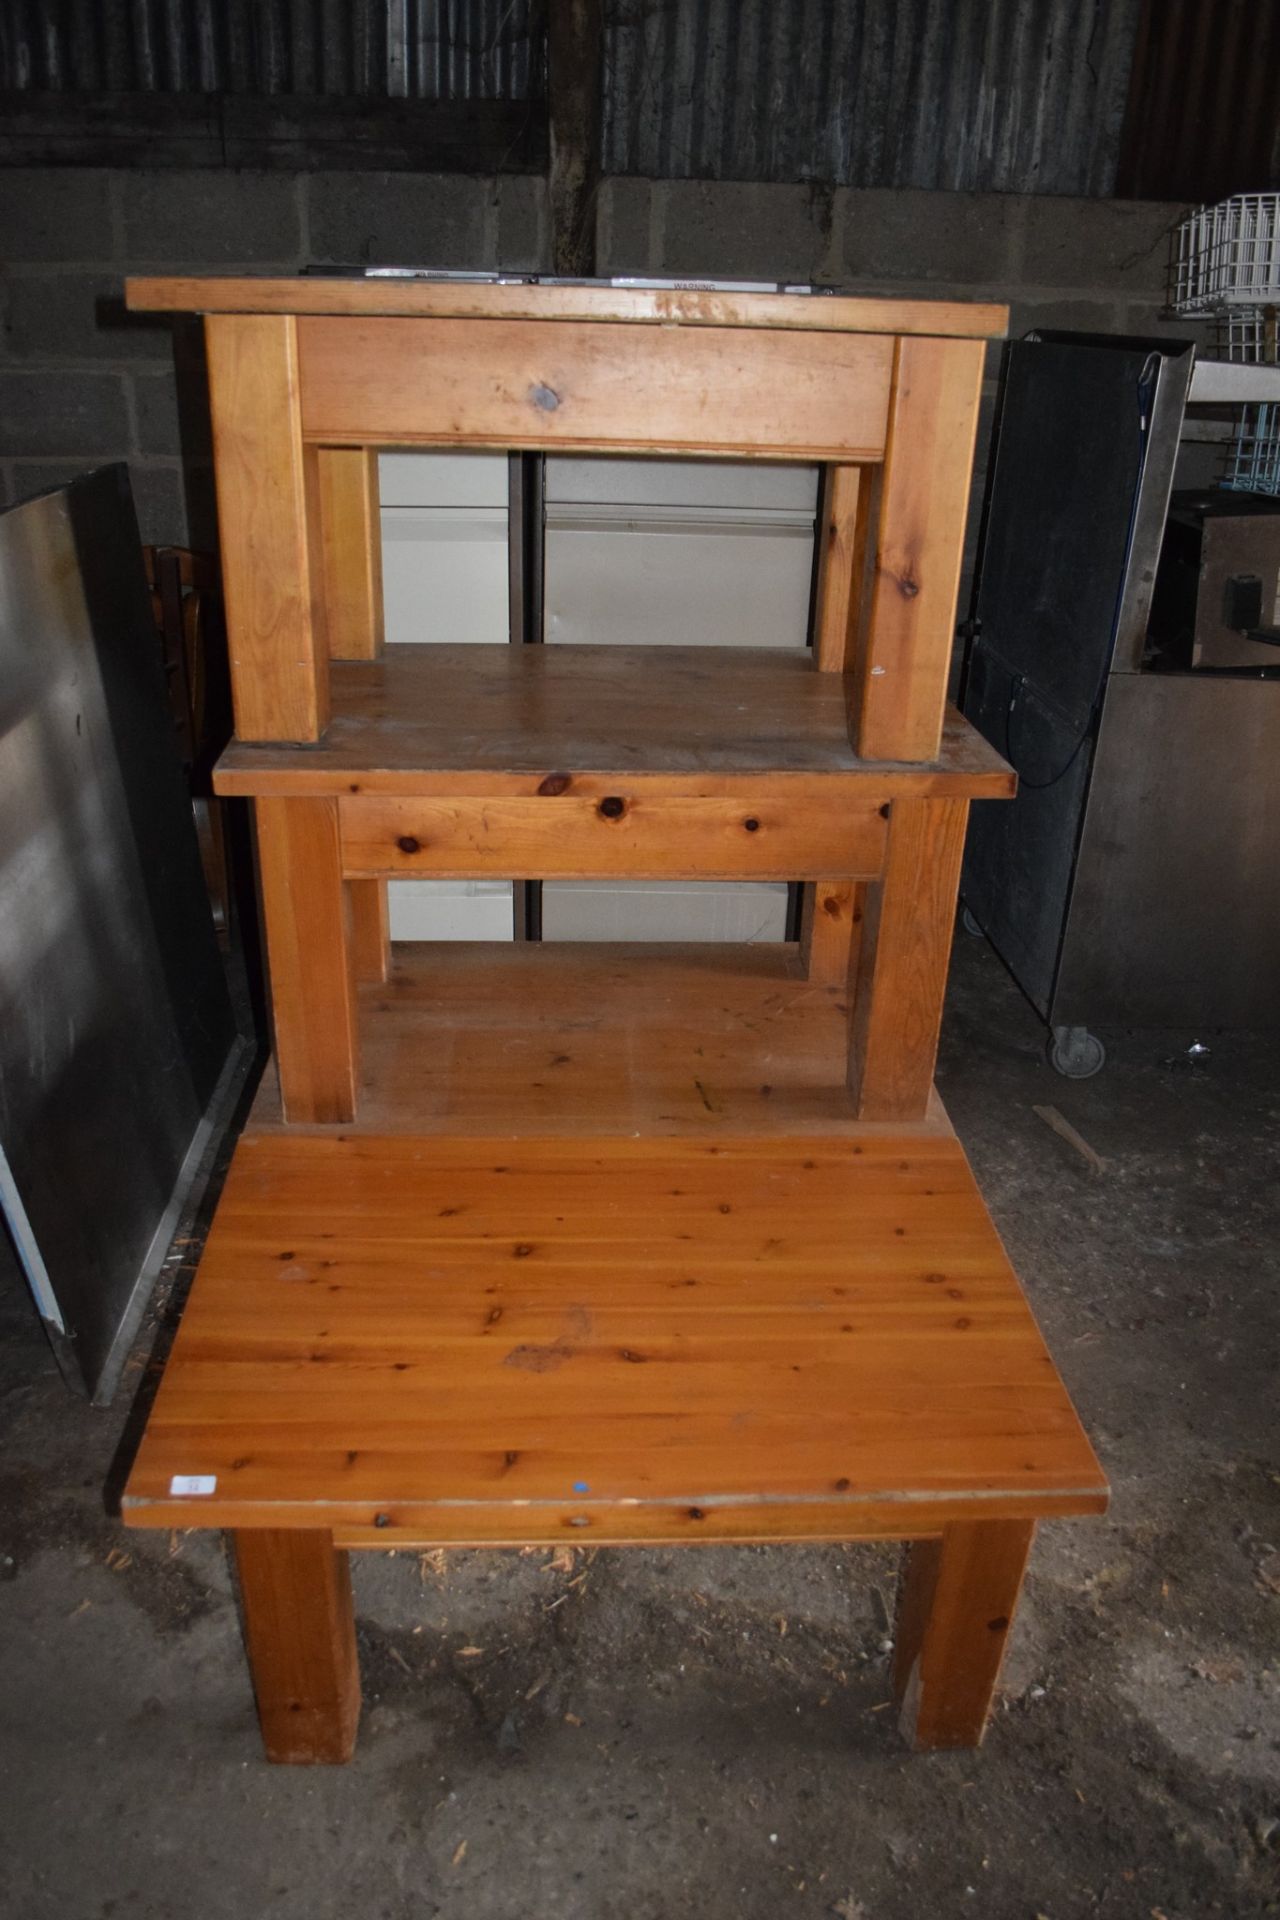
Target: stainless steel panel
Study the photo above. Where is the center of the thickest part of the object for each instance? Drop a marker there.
(116, 1022)
(1168, 406)
(1175, 916)
(1250, 544)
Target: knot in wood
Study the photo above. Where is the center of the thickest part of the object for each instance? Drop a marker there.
(407, 844)
(545, 397)
(552, 783)
(612, 806)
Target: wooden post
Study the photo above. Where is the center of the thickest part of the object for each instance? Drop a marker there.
(844, 519)
(956, 1605)
(575, 36)
(830, 921)
(269, 524)
(309, 956)
(370, 930)
(299, 1631)
(902, 960)
(346, 480)
(831, 911)
(899, 680)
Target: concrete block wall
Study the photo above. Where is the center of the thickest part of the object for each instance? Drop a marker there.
(82, 382)
(1097, 266)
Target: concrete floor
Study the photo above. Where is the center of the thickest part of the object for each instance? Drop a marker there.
(642, 1735)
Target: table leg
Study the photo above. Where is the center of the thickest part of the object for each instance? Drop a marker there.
(955, 1609)
(370, 929)
(902, 960)
(299, 1631)
(310, 957)
(830, 922)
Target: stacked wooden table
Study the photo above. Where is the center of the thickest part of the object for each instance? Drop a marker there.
(603, 1244)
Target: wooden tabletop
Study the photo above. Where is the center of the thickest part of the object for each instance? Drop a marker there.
(686, 306)
(468, 1341)
(450, 718)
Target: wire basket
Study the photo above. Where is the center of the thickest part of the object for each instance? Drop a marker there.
(1253, 464)
(1247, 336)
(1228, 255)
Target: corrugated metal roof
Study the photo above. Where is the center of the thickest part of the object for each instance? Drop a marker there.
(993, 95)
(1204, 108)
(416, 49)
(1003, 95)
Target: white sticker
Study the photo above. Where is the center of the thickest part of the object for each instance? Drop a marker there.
(188, 1483)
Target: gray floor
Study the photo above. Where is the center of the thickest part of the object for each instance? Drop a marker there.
(653, 1734)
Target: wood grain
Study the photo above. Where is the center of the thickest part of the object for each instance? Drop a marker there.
(691, 306)
(607, 1340)
(620, 834)
(844, 519)
(898, 685)
(370, 930)
(595, 1038)
(351, 550)
(756, 393)
(959, 1595)
(271, 568)
(902, 960)
(309, 957)
(691, 720)
(299, 1631)
(830, 927)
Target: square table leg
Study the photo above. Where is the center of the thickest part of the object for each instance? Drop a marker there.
(955, 1609)
(299, 1631)
(311, 957)
(903, 951)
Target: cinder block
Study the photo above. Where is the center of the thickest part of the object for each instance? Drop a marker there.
(523, 238)
(171, 405)
(622, 226)
(1076, 316)
(158, 493)
(160, 498)
(29, 478)
(889, 235)
(397, 219)
(155, 401)
(199, 217)
(1141, 318)
(56, 411)
(1120, 245)
(741, 229)
(80, 316)
(56, 213)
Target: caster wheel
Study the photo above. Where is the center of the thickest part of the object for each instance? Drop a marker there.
(970, 925)
(1076, 1053)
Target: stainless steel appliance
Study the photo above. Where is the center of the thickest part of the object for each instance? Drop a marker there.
(117, 1036)
(1217, 594)
(1134, 881)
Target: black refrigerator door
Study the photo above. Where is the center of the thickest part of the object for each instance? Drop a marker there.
(1061, 500)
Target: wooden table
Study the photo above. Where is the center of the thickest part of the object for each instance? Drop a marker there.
(526, 1244)
(495, 1342)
